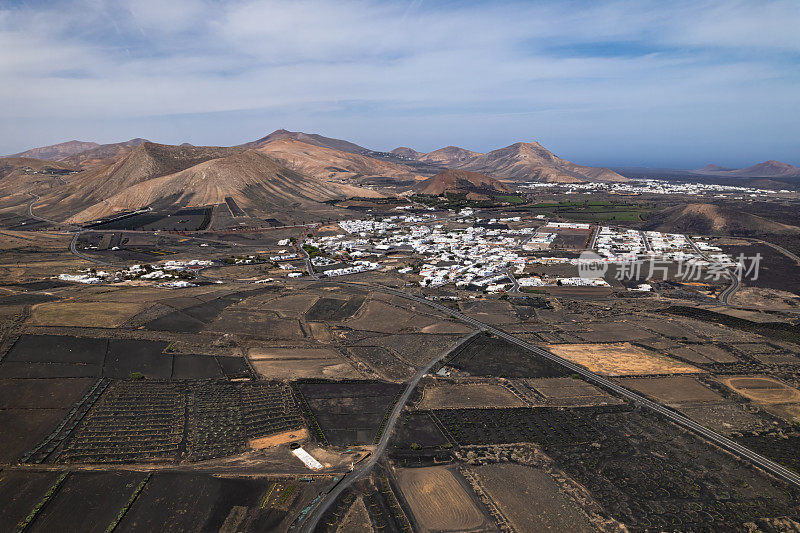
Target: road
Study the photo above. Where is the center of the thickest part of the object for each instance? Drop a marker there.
(315, 514)
(734, 279)
(514, 282)
(781, 249)
(595, 234)
(647, 246)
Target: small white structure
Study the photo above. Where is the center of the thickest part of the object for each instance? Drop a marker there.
(307, 459)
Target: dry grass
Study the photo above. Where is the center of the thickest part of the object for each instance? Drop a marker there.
(438, 501)
(83, 314)
(281, 438)
(296, 363)
(620, 359)
(442, 395)
(763, 390)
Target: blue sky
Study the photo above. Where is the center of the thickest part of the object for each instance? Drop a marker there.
(625, 83)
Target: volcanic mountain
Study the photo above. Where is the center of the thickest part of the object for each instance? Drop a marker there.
(519, 162)
(309, 138)
(251, 178)
(102, 154)
(333, 164)
(407, 153)
(57, 151)
(472, 184)
(712, 219)
(767, 169)
(156, 175)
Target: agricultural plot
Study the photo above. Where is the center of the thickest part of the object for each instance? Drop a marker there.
(162, 421)
(488, 356)
(83, 314)
(620, 359)
(651, 475)
(672, 390)
(412, 348)
(194, 502)
(515, 425)
(20, 492)
(530, 499)
(349, 412)
(438, 502)
(295, 363)
(334, 309)
(87, 502)
(566, 392)
(775, 396)
(449, 395)
(138, 421)
(194, 318)
(418, 428)
(42, 393)
(58, 349)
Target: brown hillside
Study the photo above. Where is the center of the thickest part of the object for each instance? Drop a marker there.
(104, 154)
(533, 162)
(711, 219)
(461, 182)
(329, 164)
(251, 178)
(309, 138)
(57, 151)
(448, 156)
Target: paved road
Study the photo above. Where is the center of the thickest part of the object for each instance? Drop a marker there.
(315, 514)
(514, 282)
(595, 234)
(646, 244)
(781, 249)
(725, 295)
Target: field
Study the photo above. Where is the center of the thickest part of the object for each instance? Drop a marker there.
(565, 392)
(59, 356)
(87, 501)
(83, 314)
(620, 359)
(448, 395)
(487, 356)
(672, 390)
(295, 363)
(530, 499)
(762, 389)
(20, 492)
(160, 421)
(348, 412)
(438, 501)
(195, 502)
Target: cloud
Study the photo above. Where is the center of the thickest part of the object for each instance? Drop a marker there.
(84, 59)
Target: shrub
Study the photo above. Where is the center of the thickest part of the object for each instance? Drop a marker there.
(415, 446)
(136, 375)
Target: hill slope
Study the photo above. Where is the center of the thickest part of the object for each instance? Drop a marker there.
(710, 219)
(767, 169)
(461, 182)
(103, 154)
(331, 164)
(520, 161)
(251, 178)
(58, 151)
(309, 138)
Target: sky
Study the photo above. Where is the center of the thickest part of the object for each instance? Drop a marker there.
(618, 83)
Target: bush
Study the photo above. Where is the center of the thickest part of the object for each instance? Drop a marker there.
(415, 446)
(136, 375)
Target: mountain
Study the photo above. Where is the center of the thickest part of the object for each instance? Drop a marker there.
(461, 182)
(406, 153)
(57, 151)
(712, 168)
(309, 138)
(448, 156)
(710, 219)
(520, 162)
(254, 180)
(102, 154)
(331, 164)
(767, 169)
(532, 162)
